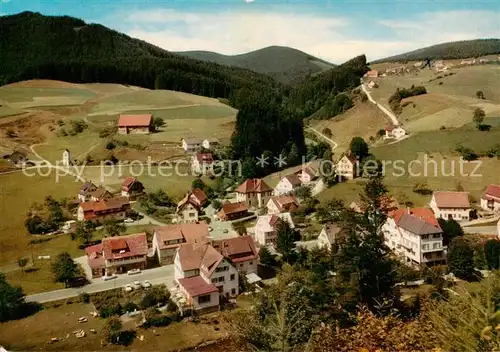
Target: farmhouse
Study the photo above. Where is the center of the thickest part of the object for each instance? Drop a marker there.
(306, 175)
(201, 296)
(347, 167)
(187, 210)
(132, 188)
(267, 226)
(117, 255)
(198, 197)
(415, 235)
(135, 124)
(254, 192)
(490, 200)
(86, 190)
(110, 209)
(202, 163)
(394, 132)
(167, 239)
(191, 144)
(232, 211)
(100, 194)
(282, 204)
(241, 251)
(328, 236)
(451, 205)
(205, 261)
(210, 143)
(287, 185)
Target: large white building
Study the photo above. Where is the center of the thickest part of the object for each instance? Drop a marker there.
(287, 185)
(267, 226)
(415, 235)
(254, 193)
(451, 205)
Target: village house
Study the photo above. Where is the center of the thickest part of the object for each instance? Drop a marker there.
(109, 209)
(415, 235)
(210, 143)
(232, 211)
(490, 201)
(241, 251)
(254, 192)
(188, 210)
(347, 167)
(85, 192)
(167, 239)
(135, 124)
(198, 197)
(328, 236)
(132, 188)
(117, 255)
(282, 204)
(99, 194)
(202, 163)
(201, 296)
(265, 230)
(395, 132)
(205, 261)
(287, 185)
(451, 205)
(191, 144)
(306, 175)
(372, 74)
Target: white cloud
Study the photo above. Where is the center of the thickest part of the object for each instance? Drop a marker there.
(322, 35)
(248, 1)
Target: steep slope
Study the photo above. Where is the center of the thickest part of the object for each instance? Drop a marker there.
(285, 64)
(453, 50)
(68, 49)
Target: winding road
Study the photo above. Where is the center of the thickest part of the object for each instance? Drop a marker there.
(386, 111)
(329, 140)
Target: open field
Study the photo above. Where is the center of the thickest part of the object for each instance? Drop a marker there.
(33, 333)
(363, 120)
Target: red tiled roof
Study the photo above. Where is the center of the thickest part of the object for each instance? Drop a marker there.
(189, 233)
(125, 246)
(230, 208)
(196, 286)
(422, 213)
(445, 199)
(238, 249)
(492, 193)
(284, 202)
(308, 170)
(351, 158)
(200, 196)
(293, 179)
(95, 258)
(205, 158)
(135, 120)
(128, 182)
(87, 188)
(255, 185)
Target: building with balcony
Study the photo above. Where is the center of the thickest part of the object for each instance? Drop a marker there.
(415, 236)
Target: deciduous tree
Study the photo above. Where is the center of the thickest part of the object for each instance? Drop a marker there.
(64, 269)
(461, 259)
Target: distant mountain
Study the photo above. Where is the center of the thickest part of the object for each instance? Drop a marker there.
(66, 48)
(285, 64)
(453, 50)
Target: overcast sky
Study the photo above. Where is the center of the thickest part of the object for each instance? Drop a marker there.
(332, 30)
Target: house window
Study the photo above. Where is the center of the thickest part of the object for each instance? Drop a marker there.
(233, 277)
(425, 246)
(251, 263)
(436, 245)
(191, 215)
(203, 299)
(221, 279)
(241, 265)
(233, 291)
(214, 281)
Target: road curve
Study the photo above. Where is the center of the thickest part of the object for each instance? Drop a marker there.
(333, 143)
(386, 111)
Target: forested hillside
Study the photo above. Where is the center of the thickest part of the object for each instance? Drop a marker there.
(453, 50)
(285, 64)
(68, 49)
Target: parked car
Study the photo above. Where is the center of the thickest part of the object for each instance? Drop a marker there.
(128, 288)
(146, 284)
(136, 285)
(128, 220)
(134, 271)
(109, 277)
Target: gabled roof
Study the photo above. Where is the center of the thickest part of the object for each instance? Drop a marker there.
(199, 195)
(270, 222)
(284, 202)
(331, 231)
(445, 199)
(185, 201)
(420, 221)
(135, 120)
(95, 256)
(128, 182)
(307, 170)
(230, 208)
(293, 179)
(99, 192)
(254, 185)
(125, 246)
(192, 140)
(212, 140)
(203, 257)
(112, 204)
(87, 188)
(238, 249)
(192, 233)
(492, 193)
(196, 286)
(352, 159)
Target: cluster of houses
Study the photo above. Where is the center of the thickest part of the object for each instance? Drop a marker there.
(194, 144)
